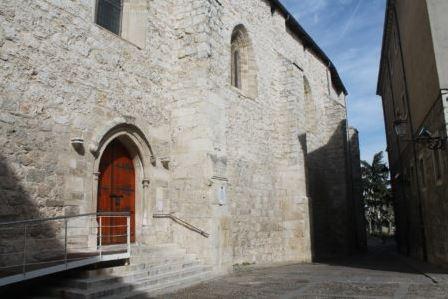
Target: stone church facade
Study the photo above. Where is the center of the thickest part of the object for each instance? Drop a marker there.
(230, 115)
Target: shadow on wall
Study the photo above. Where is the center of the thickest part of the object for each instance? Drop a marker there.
(16, 205)
(332, 207)
(45, 240)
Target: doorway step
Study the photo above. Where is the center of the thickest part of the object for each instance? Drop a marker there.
(152, 271)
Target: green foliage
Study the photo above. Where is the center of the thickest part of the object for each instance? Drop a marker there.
(377, 194)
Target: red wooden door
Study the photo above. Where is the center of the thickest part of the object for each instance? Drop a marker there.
(116, 192)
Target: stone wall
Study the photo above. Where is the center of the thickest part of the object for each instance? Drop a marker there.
(246, 168)
(63, 77)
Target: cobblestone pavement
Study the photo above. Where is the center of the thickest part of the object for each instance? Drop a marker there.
(381, 273)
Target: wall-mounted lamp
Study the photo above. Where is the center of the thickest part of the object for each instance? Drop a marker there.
(434, 143)
(400, 127)
(425, 136)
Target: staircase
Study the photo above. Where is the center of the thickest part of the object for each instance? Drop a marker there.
(153, 270)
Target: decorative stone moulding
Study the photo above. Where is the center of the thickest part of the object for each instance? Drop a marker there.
(165, 161)
(78, 144)
(121, 121)
(77, 141)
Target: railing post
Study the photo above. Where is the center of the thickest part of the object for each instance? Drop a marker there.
(24, 251)
(100, 235)
(128, 232)
(65, 241)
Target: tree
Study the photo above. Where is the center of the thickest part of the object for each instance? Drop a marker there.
(377, 195)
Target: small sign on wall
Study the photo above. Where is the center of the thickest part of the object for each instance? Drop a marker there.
(220, 189)
(222, 194)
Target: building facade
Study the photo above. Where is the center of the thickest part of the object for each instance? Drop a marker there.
(225, 113)
(412, 83)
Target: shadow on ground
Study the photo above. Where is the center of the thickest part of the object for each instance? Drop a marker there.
(383, 256)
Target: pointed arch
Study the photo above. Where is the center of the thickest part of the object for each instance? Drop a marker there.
(127, 133)
(310, 107)
(243, 66)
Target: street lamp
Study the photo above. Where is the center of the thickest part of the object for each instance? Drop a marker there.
(425, 136)
(400, 127)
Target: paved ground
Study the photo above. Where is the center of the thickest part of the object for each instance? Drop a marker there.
(381, 273)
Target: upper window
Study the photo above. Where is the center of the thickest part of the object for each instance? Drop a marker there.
(243, 66)
(108, 15)
(402, 111)
(310, 107)
(126, 18)
(236, 64)
(396, 42)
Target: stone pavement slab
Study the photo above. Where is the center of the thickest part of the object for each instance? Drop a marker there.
(381, 273)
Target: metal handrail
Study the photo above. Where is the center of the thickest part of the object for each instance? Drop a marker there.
(183, 223)
(71, 255)
(65, 217)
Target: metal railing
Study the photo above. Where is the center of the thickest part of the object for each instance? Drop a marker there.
(183, 223)
(39, 247)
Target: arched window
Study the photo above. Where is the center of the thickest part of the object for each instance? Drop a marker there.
(310, 107)
(243, 66)
(236, 79)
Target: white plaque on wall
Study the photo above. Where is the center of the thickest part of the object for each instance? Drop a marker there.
(222, 195)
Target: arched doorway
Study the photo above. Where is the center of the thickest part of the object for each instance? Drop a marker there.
(116, 192)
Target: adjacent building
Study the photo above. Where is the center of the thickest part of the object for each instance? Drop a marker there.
(224, 113)
(413, 82)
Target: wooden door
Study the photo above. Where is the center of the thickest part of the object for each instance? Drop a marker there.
(116, 192)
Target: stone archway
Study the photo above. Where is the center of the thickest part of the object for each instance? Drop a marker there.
(138, 151)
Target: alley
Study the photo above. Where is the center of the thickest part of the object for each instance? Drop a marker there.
(381, 273)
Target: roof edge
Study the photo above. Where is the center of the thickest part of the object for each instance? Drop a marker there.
(383, 46)
(309, 42)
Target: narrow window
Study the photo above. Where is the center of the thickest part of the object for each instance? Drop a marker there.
(243, 69)
(404, 106)
(236, 69)
(108, 15)
(437, 166)
(396, 45)
(422, 172)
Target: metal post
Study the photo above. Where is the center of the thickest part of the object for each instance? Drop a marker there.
(128, 228)
(65, 245)
(24, 251)
(100, 235)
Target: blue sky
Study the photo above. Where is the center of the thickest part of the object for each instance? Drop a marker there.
(350, 33)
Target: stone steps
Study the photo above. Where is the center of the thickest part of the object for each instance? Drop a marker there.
(152, 270)
(120, 288)
(158, 289)
(129, 276)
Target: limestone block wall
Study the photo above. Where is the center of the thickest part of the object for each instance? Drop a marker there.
(267, 191)
(245, 167)
(63, 77)
(358, 216)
